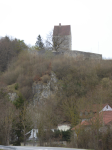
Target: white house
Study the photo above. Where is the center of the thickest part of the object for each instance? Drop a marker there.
(63, 127)
(33, 134)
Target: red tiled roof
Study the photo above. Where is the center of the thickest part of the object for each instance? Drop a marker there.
(83, 123)
(107, 117)
(61, 30)
(104, 117)
(94, 108)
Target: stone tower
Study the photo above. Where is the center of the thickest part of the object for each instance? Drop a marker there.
(62, 39)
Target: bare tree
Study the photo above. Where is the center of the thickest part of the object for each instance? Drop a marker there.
(57, 43)
(32, 113)
(8, 116)
(8, 50)
(25, 120)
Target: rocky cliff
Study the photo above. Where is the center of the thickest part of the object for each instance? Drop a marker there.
(42, 91)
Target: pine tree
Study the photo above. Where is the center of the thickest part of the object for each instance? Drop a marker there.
(39, 43)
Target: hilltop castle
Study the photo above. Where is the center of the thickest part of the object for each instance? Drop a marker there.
(62, 37)
(62, 40)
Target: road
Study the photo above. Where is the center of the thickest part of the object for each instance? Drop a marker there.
(35, 148)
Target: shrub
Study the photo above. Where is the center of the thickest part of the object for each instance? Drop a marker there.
(45, 78)
(16, 86)
(64, 135)
(26, 92)
(10, 77)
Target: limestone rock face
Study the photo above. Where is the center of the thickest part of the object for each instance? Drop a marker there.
(12, 96)
(42, 91)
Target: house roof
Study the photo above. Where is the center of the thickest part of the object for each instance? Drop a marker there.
(105, 117)
(83, 123)
(94, 108)
(67, 124)
(62, 30)
(90, 110)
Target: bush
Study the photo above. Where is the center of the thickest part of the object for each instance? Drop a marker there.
(16, 86)
(62, 135)
(45, 78)
(10, 77)
(26, 91)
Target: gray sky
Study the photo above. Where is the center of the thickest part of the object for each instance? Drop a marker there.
(90, 20)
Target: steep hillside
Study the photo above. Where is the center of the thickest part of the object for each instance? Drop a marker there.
(74, 78)
(58, 86)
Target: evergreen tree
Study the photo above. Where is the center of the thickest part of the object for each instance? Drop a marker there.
(39, 43)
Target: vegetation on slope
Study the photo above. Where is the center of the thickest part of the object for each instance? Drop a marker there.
(80, 83)
(9, 49)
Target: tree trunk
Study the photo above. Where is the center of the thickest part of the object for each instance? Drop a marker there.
(7, 139)
(33, 137)
(24, 138)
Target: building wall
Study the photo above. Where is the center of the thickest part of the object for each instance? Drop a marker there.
(64, 42)
(63, 127)
(106, 108)
(82, 55)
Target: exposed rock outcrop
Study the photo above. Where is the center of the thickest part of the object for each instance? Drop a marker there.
(13, 96)
(42, 91)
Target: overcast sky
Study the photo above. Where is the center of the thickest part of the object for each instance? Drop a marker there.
(90, 20)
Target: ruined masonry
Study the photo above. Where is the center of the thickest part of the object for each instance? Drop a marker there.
(63, 33)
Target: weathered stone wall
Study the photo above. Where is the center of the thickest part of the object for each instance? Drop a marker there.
(64, 43)
(83, 55)
(79, 55)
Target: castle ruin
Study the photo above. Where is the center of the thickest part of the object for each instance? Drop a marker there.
(62, 38)
(62, 41)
